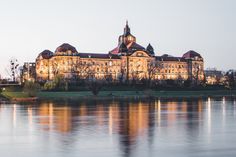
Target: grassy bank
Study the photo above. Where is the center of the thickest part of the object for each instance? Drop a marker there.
(10, 95)
(121, 94)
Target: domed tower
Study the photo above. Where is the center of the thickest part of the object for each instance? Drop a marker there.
(42, 65)
(46, 54)
(66, 50)
(192, 55)
(195, 66)
(150, 50)
(127, 37)
(126, 41)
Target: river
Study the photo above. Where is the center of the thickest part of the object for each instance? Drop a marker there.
(167, 128)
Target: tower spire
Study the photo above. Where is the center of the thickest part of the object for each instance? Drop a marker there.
(127, 29)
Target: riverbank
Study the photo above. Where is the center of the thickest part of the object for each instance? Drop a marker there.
(21, 96)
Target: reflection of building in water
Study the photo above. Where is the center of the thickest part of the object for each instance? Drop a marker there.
(132, 122)
(114, 117)
(59, 118)
(194, 113)
(131, 119)
(45, 112)
(63, 119)
(100, 114)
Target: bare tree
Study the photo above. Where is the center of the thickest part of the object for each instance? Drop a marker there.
(152, 70)
(135, 76)
(230, 79)
(85, 70)
(195, 75)
(13, 69)
(55, 69)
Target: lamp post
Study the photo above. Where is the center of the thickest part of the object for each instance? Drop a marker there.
(127, 68)
(48, 71)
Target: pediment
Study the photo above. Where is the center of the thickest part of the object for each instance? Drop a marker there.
(140, 54)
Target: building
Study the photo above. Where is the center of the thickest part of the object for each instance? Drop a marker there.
(28, 72)
(231, 72)
(214, 76)
(128, 61)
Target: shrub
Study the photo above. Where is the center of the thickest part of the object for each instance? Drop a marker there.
(58, 83)
(95, 87)
(31, 88)
(49, 86)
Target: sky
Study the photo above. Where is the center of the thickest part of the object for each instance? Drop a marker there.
(27, 27)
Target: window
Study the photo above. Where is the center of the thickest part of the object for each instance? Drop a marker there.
(140, 54)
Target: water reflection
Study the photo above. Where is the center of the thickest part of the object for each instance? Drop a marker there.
(123, 128)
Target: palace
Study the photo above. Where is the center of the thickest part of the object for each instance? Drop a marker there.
(128, 61)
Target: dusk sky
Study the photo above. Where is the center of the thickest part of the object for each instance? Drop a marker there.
(27, 27)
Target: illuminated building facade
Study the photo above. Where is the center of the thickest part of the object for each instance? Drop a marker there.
(28, 72)
(128, 61)
(214, 76)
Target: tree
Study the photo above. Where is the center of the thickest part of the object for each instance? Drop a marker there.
(230, 79)
(134, 76)
(95, 87)
(58, 83)
(122, 75)
(152, 69)
(180, 80)
(31, 88)
(13, 69)
(85, 70)
(55, 69)
(195, 76)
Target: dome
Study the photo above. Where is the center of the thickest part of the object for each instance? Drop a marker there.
(191, 54)
(46, 54)
(166, 55)
(66, 49)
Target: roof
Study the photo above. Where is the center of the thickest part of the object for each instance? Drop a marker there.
(115, 51)
(98, 55)
(65, 48)
(170, 58)
(191, 54)
(123, 48)
(133, 46)
(46, 54)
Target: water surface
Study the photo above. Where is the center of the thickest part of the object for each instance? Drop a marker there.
(192, 128)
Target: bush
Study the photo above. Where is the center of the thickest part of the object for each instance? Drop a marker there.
(95, 87)
(49, 86)
(57, 84)
(31, 88)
